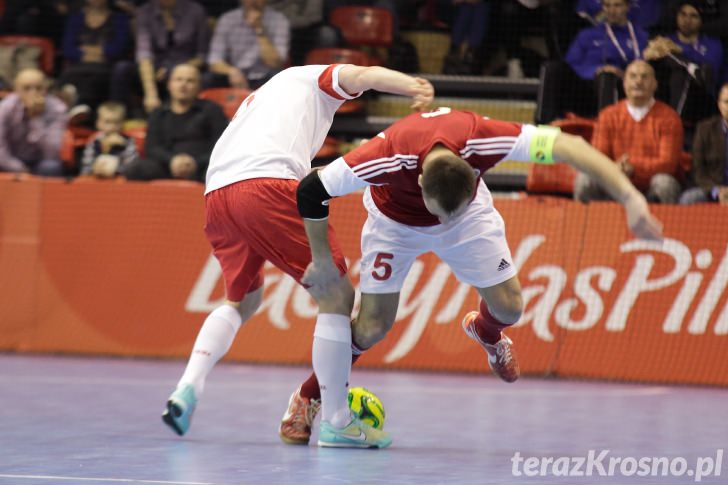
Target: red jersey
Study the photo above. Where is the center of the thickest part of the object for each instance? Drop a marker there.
(391, 162)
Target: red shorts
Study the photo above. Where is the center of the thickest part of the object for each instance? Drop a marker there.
(254, 221)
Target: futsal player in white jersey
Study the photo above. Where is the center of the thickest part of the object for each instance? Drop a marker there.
(424, 193)
(251, 217)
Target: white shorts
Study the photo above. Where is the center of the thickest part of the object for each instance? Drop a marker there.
(474, 246)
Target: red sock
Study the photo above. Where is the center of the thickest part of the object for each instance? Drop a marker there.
(310, 388)
(487, 326)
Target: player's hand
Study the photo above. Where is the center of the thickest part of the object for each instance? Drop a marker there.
(640, 220)
(423, 95)
(321, 277)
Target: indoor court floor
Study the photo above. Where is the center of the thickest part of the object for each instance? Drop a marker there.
(72, 420)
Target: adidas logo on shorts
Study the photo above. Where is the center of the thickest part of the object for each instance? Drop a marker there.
(503, 265)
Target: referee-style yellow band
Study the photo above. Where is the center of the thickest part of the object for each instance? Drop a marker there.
(542, 144)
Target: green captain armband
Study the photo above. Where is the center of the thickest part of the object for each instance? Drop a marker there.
(542, 144)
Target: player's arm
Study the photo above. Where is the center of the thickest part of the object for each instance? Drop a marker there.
(356, 79)
(575, 151)
(312, 199)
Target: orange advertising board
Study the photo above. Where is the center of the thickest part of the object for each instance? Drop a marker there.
(124, 269)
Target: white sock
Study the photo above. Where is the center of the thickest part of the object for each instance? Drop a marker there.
(214, 340)
(332, 365)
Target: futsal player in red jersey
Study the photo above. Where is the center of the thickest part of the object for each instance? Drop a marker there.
(424, 193)
(251, 218)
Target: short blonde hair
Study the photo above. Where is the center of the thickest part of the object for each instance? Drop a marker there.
(112, 108)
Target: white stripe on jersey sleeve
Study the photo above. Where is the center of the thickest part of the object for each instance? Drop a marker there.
(339, 179)
(337, 87)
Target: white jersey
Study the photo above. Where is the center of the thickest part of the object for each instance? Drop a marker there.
(279, 128)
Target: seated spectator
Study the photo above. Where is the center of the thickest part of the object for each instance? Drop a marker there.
(643, 135)
(470, 24)
(644, 13)
(308, 30)
(593, 66)
(32, 124)
(599, 54)
(180, 134)
(169, 32)
(95, 41)
(249, 46)
(710, 157)
(691, 63)
(108, 152)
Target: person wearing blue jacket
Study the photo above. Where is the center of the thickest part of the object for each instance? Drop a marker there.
(600, 54)
(96, 40)
(689, 63)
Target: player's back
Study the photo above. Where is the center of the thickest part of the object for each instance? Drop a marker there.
(278, 129)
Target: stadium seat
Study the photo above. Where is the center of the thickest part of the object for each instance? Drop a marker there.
(364, 26)
(332, 55)
(139, 135)
(229, 99)
(47, 50)
(330, 148)
(559, 177)
(74, 138)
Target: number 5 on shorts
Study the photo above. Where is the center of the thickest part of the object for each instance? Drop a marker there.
(380, 263)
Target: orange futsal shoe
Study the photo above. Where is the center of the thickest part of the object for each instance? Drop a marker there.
(296, 424)
(501, 356)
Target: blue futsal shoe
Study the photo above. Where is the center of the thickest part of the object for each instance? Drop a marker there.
(180, 406)
(354, 435)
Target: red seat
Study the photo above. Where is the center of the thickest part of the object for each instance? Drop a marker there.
(139, 135)
(360, 25)
(229, 99)
(340, 56)
(47, 50)
(559, 177)
(74, 138)
(329, 149)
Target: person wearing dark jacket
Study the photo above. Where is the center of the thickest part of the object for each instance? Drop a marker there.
(710, 157)
(181, 133)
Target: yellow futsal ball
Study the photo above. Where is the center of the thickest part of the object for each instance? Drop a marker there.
(366, 406)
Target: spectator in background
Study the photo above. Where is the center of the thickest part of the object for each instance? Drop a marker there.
(180, 134)
(470, 24)
(108, 152)
(31, 127)
(42, 18)
(95, 41)
(308, 29)
(643, 135)
(690, 63)
(249, 46)
(710, 157)
(600, 54)
(645, 13)
(169, 32)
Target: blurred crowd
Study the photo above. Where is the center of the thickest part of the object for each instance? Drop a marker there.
(154, 61)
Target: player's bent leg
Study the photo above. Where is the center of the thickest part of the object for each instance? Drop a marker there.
(501, 307)
(376, 317)
(212, 343)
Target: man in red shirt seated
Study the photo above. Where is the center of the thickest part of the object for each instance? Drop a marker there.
(643, 135)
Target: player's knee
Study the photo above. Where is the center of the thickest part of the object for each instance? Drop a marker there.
(509, 309)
